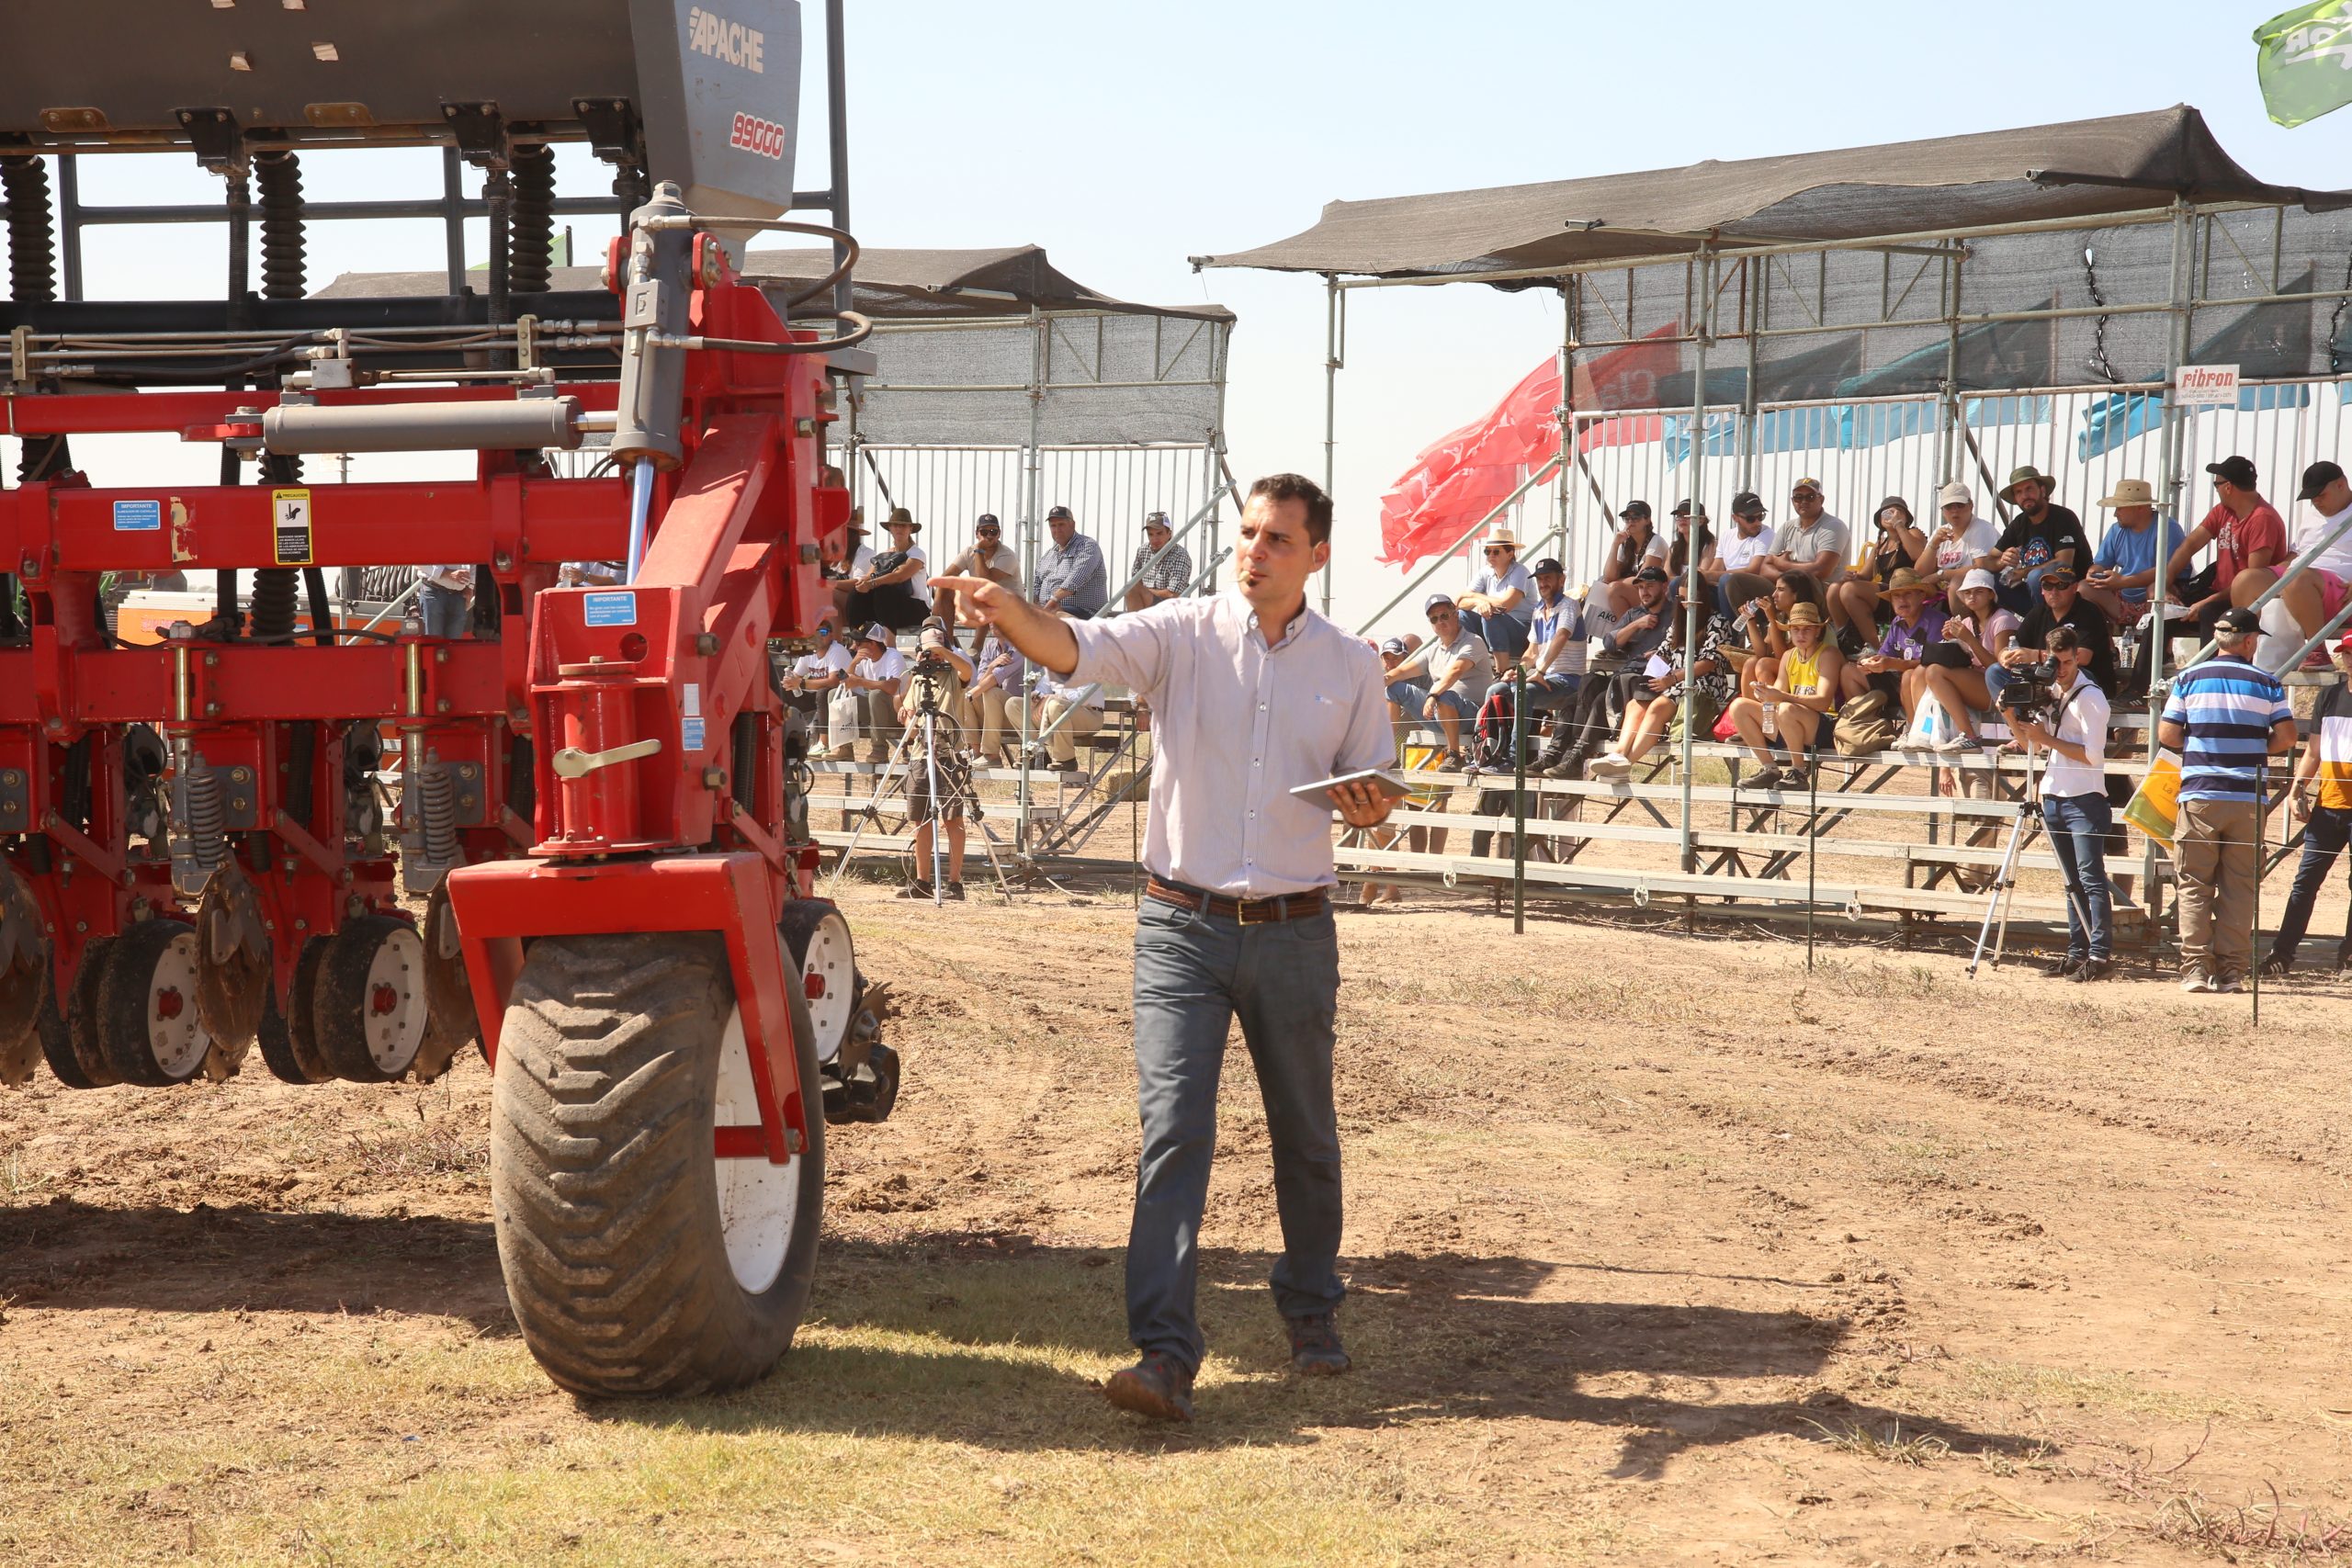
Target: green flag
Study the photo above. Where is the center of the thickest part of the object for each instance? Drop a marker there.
(2305, 64)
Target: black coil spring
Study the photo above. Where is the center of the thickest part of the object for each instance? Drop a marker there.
(32, 250)
(530, 228)
(630, 184)
(275, 604)
(279, 175)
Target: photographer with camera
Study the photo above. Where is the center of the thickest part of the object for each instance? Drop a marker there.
(2055, 707)
(930, 707)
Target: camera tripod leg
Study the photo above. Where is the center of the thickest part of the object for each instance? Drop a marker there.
(871, 812)
(2005, 881)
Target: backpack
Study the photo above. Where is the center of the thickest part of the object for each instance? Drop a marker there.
(1866, 724)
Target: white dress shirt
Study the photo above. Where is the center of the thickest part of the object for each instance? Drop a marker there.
(1238, 724)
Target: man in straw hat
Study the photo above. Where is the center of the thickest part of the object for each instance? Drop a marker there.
(893, 589)
(2124, 570)
(2042, 535)
(1500, 600)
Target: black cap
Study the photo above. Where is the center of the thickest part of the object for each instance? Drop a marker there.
(1685, 508)
(1652, 573)
(1055, 514)
(986, 520)
(2317, 478)
(1747, 503)
(1635, 509)
(2059, 572)
(1550, 564)
(2238, 471)
(2237, 621)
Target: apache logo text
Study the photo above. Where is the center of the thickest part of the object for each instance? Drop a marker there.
(710, 33)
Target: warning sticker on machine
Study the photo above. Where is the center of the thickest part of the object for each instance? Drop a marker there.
(690, 734)
(609, 609)
(137, 516)
(289, 518)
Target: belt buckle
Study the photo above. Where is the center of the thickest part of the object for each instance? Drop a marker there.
(1274, 907)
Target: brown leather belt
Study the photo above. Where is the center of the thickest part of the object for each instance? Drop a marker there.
(1249, 911)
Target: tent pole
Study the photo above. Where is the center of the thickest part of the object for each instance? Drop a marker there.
(1753, 288)
(1565, 496)
(1702, 329)
(2176, 354)
(1029, 505)
(1335, 329)
(1948, 415)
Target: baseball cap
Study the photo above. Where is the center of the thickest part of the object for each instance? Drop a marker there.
(1692, 509)
(1812, 485)
(1434, 599)
(986, 520)
(2059, 573)
(1651, 574)
(2237, 621)
(1393, 647)
(1155, 520)
(1058, 514)
(1979, 577)
(1635, 509)
(933, 636)
(1956, 494)
(2236, 470)
(2317, 478)
(876, 633)
(2343, 643)
(1550, 564)
(1747, 503)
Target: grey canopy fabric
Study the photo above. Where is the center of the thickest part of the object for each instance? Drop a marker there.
(2038, 173)
(891, 285)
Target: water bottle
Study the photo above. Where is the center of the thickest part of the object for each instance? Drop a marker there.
(1771, 721)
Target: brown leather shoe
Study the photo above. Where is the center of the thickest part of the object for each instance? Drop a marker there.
(1315, 1347)
(1157, 1386)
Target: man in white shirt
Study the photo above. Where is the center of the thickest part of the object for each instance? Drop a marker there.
(2324, 550)
(1961, 543)
(867, 698)
(2075, 814)
(444, 600)
(1498, 602)
(1256, 696)
(1741, 552)
(816, 674)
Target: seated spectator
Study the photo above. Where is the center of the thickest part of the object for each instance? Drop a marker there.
(2322, 802)
(1796, 694)
(1458, 668)
(2246, 533)
(2075, 814)
(1072, 578)
(2062, 604)
(999, 673)
(1687, 516)
(2040, 537)
(1764, 621)
(1408, 693)
(2124, 568)
(868, 697)
(1050, 697)
(1956, 671)
(2314, 595)
(1162, 570)
(894, 589)
(989, 557)
(1889, 668)
(1555, 656)
(816, 674)
(1632, 547)
(1650, 710)
(1620, 649)
(1963, 543)
(1854, 603)
(1737, 553)
(1500, 601)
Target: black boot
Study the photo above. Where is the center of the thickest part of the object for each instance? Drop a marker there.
(1555, 750)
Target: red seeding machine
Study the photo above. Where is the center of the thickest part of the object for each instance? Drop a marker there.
(224, 838)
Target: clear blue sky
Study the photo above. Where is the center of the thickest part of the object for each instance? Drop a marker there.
(1123, 136)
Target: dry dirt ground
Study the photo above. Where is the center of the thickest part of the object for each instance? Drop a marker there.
(1663, 1250)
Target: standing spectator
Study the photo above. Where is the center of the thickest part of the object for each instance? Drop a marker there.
(867, 698)
(938, 679)
(2246, 533)
(999, 674)
(1458, 667)
(1632, 547)
(2314, 595)
(1742, 553)
(817, 674)
(1498, 604)
(2227, 717)
(2076, 812)
(895, 588)
(2322, 803)
(590, 574)
(1854, 603)
(1071, 578)
(1799, 689)
(2062, 604)
(1961, 543)
(444, 600)
(990, 557)
(1161, 569)
(2040, 537)
(1050, 698)
(1919, 621)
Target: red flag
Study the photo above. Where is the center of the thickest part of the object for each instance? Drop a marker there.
(1465, 475)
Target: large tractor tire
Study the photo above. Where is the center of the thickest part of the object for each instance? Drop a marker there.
(637, 1262)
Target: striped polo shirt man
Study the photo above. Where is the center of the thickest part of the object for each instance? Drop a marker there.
(2229, 707)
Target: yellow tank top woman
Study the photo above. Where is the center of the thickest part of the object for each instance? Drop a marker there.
(1801, 673)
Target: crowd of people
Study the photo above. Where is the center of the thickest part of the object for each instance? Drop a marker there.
(1926, 638)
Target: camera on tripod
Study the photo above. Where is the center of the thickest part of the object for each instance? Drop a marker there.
(2031, 688)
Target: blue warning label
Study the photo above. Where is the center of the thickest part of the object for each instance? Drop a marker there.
(611, 609)
(691, 733)
(137, 516)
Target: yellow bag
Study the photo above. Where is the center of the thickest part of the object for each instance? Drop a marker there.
(2155, 804)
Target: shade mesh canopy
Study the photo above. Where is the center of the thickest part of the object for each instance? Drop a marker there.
(2037, 173)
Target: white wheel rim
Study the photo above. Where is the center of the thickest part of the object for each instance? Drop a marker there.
(176, 1037)
(829, 978)
(758, 1201)
(392, 1006)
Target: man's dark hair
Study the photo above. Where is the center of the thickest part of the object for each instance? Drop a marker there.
(2061, 639)
(1298, 486)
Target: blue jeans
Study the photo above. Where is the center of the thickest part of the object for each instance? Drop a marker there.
(446, 612)
(1195, 972)
(1504, 632)
(1409, 695)
(2324, 837)
(1553, 694)
(2077, 825)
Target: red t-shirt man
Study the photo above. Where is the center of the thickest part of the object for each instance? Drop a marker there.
(2235, 539)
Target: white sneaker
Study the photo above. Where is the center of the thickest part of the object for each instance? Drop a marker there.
(1952, 745)
(2195, 981)
(2227, 985)
(1609, 765)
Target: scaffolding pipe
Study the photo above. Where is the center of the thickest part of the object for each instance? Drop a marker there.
(1691, 581)
(1334, 350)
